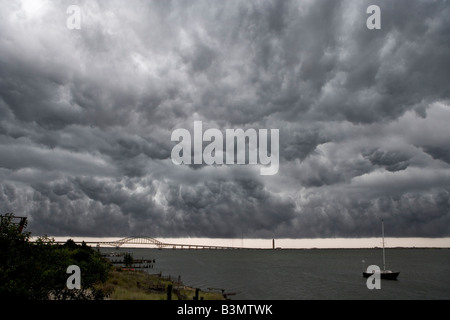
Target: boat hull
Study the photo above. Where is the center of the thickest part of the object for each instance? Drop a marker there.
(383, 275)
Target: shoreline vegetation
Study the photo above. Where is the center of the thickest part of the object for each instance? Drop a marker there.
(130, 284)
(47, 270)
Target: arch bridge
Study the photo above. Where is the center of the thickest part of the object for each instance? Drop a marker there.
(142, 240)
(134, 240)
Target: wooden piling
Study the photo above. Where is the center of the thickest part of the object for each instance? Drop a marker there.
(169, 292)
(196, 293)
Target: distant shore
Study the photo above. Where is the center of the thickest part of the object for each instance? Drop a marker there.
(286, 243)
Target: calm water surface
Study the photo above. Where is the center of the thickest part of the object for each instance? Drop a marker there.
(305, 274)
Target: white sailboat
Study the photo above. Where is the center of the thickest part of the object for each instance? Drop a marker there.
(384, 274)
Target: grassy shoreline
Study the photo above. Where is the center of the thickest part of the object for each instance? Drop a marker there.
(130, 284)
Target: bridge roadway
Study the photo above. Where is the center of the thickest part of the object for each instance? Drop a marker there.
(154, 242)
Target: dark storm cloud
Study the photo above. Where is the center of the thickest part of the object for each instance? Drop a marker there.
(86, 116)
(227, 209)
(391, 160)
(439, 153)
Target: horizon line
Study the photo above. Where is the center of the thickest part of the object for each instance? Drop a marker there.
(282, 243)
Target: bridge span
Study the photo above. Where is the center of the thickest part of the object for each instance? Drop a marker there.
(151, 242)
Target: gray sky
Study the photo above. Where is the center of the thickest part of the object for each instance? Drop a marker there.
(86, 117)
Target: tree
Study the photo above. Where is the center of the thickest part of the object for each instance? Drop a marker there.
(128, 259)
(37, 270)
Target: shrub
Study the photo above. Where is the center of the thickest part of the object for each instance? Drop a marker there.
(37, 270)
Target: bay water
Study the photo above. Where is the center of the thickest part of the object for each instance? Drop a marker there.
(304, 274)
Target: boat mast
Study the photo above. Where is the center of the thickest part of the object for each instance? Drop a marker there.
(382, 232)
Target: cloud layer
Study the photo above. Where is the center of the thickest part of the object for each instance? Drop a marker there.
(86, 117)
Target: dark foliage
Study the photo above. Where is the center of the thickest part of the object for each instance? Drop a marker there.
(38, 270)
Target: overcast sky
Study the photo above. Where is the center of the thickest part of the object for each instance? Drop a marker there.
(86, 117)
